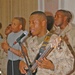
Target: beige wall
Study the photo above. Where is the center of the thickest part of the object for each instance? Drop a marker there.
(51, 5)
(12, 8)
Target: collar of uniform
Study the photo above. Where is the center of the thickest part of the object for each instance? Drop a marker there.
(66, 30)
(40, 39)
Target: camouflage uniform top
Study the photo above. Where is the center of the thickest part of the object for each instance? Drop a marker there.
(69, 31)
(61, 57)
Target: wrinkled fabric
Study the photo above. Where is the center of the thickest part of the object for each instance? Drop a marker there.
(69, 31)
(3, 60)
(61, 56)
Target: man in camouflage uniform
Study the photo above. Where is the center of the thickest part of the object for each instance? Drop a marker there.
(59, 61)
(65, 28)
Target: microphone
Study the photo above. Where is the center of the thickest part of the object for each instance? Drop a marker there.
(25, 33)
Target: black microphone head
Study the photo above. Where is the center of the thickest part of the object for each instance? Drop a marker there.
(25, 33)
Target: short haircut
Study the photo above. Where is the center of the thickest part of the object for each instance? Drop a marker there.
(66, 13)
(22, 21)
(39, 13)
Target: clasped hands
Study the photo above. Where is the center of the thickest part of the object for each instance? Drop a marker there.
(5, 46)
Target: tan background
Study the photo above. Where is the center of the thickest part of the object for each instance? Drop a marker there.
(23, 8)
(51, 5)
(12, 8)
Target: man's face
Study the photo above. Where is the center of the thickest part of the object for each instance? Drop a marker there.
(15, 25)
(35, 25)
(59, 18)
(8, 30)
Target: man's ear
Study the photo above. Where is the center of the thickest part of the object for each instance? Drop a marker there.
(20, 26)
(43, 23)
(65, 18)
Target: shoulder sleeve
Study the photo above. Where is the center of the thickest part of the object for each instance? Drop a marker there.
(54, 40)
